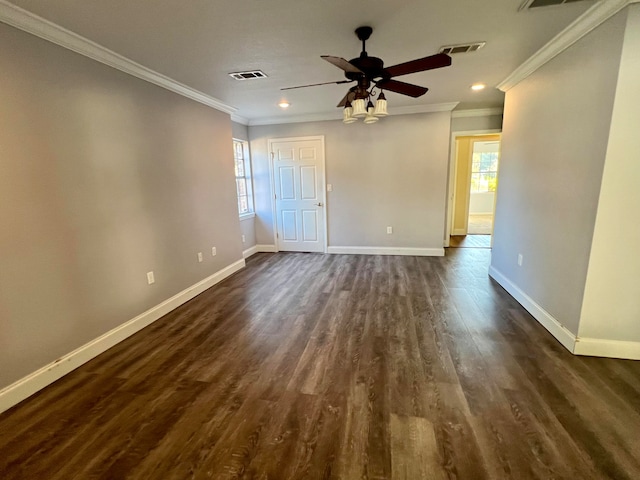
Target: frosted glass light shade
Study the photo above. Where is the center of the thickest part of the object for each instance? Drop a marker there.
(359, 109)
(370, 118)
(347, 115)
(381, 108)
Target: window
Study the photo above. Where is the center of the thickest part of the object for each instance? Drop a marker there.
(243, 176)
(484, 167)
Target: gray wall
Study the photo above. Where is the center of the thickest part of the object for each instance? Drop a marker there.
(392, 173)
(555, 132)
(247, 225)
(103, 177)
(240, 131)
(470, 124)
(248, 229)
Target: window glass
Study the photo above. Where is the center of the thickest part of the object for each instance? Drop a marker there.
(484, 167)
(243, 177)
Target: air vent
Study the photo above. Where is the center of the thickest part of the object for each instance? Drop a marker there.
(544, 3)
(462, 48)
(248, 75)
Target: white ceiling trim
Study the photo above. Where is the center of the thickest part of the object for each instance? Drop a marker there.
(592, 18)
(434, 107)
(238, 119)
(478, 112)
(337, 115)
(311, 117)
(38, 26)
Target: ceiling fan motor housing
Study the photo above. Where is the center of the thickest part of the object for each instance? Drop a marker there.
(372, 67)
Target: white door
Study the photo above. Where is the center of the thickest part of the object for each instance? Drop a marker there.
(298, 174)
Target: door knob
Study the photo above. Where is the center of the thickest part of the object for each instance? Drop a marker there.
(319, 204)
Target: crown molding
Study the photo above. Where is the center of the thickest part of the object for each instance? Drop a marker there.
(40, 27)
(478, 112)
(239, 119)
(337, 115)
(592, 18)
(434, 107)
(310, 117)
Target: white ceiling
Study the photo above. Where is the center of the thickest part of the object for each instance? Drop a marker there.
(198, 42)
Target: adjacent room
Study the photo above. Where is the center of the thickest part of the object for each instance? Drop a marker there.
(330, 240)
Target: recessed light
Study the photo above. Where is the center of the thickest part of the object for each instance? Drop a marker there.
(284, 104)
(478, 86)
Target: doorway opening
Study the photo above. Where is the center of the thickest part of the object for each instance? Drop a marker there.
(475, 180)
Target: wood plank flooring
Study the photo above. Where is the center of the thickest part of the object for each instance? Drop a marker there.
(470, 241)
(306, 366)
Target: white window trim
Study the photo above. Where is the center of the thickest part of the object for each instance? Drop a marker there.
(248, 175)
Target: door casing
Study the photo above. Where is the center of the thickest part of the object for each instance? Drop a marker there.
(322, 193)
(452, 175)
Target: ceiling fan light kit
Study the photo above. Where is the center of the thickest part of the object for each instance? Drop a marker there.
(370, 118)
(380, 109)
(369, 73)
(347, 114)
(359, 109)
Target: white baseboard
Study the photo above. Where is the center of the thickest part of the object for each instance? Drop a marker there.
(597, 347)
(458, 231)
(250, 251)
(414, 252)
(564, 336)
(267, 248)
(27, 386)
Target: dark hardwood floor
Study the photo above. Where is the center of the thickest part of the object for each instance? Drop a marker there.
(306, 366)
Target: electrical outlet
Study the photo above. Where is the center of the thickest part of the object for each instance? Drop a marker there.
(520, 258)
(389, 230)
(150, 278)
(329, 187)
(214, 252)
(243, 239)
(200, 258)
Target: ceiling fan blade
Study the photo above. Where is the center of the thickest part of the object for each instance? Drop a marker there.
(341, 63)
(438, 60)
(316, 84)
(402, 87)
(347, 98)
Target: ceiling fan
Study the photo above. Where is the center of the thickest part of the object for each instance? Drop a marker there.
(368, 71)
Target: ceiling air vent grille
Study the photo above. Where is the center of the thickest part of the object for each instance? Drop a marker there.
(248, 75)
(528, 4)
(462, 48)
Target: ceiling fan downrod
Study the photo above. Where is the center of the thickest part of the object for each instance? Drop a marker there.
(363, 34)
